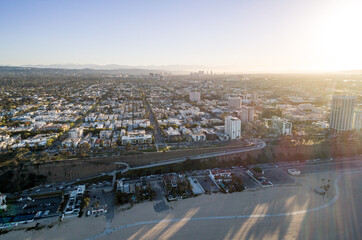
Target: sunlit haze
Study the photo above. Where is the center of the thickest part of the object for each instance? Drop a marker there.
(180, 119)
(232, 36)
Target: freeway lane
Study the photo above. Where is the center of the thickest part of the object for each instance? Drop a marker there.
(257, 146)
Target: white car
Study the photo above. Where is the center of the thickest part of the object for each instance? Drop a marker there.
(294, 172)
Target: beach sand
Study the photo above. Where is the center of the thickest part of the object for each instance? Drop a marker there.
(214, 216)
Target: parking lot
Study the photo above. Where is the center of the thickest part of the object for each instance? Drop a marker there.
(207, 184)
(248, 182)
(196, 187)
(38, 208)
(159, 202)
(99, 198)
(278, 176)
(323, 167)
(50, 204)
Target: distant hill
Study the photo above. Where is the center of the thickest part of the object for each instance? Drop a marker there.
(352, 72)
(58, 70)
(168, 68)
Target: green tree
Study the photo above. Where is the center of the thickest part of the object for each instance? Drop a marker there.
(50, 142)
(128, 146)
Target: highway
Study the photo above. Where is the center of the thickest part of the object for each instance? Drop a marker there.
(313, 162)
(258, 144)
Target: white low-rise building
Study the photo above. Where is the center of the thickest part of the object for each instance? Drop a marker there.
(197, 137)
(105, 134)
(172, 134)
(71, 142)
(137, 137)
(321, 124)
(76, 133)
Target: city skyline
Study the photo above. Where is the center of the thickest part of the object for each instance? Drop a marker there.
(232, 36)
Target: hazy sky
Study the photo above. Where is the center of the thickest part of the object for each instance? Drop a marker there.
(258, 35)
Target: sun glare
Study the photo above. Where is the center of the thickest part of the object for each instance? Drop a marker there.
(340, 36)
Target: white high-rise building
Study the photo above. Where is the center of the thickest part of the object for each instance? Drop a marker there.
(233, 127)
(234, 103)
(342, 108)
(357, 121)
(254, 97)
(246, 114)
(282, 126)
(195, 96)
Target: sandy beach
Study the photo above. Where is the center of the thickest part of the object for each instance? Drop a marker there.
(280, 212)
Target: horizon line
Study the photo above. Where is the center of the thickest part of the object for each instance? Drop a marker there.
(214, 70)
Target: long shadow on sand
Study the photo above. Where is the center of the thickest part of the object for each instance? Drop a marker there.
(160, 203)
(266, 221)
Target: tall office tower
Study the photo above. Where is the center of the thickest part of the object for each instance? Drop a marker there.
(195, 96)
(234, 103)
(233, 127)
(357, 121)
(341, 118)
(246, 114)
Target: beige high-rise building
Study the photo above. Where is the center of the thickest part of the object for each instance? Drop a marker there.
(233, 127)
(342, 109)
(357, 121)
(234, 103)
(246, 114)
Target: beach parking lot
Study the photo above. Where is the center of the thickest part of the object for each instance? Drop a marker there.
(248, 182)
(159, 202)
(207, 184)
(278, 176)
(99, 198)
(46, 204)
(196, 186)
